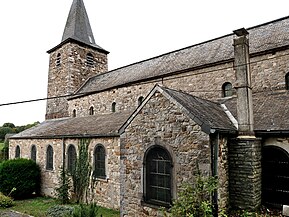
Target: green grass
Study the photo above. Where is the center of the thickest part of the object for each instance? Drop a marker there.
(38, 207)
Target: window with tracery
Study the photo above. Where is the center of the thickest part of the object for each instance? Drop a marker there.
(99, 162)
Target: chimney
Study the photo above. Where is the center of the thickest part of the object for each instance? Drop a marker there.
(243, 83)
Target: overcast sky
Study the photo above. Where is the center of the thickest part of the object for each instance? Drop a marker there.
(131, 30)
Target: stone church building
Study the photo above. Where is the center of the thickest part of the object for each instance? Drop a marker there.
(221, 106)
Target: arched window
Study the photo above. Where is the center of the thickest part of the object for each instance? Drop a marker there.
(140, 99)
(74, 113)
(158, 176)
(113, 106)
(49, 158)
(99, 162)
(17, 152)
(89, 60)
(71, 158)
(227, 89)
(91, 110)
(287, 81)
(33, 153)
(58, 60)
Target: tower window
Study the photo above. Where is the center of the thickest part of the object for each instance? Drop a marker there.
(287, 81)
(33, 153)
(91, 110)
(58, 60)
(140, 100)
(74, 113)
(227, 89)
(158, 176)
(49, 158)
(89, 60)
(113, 106)
(17, 152)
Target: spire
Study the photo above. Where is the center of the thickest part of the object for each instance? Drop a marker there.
(78, 28)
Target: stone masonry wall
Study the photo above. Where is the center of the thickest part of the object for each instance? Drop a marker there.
(106, 192)
(66, 78)
(268, 73)
(160, 123)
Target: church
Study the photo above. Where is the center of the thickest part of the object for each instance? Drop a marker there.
(220, 106)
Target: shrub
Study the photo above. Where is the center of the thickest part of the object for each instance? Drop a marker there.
(21, 174)
(62, 192)
(59, 211)
(5, 201)
(86, 210)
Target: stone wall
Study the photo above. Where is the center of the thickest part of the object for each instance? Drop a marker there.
(268, 73)
(65, 78)
(160, 122)
(106, 192)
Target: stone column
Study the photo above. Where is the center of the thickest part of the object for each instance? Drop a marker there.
(245, 150)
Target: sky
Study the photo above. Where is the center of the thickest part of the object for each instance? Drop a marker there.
(131, 30)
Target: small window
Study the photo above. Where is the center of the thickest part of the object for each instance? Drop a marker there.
(113, 106)
(74, 113)
(158, 177)
(58, 60)
(91, 110)
(140, 100)
(227, 89)
(17, 152)
(33, 153)
(49, 158)
(89, 60)
(99, 162)
(71, 158)
(287, 81)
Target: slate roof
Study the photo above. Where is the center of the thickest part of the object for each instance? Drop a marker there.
(264, 37)
(78, 27)
(95, 125)
(271, 111)
(207, 114)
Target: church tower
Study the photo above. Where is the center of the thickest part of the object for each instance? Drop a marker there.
(73, 61)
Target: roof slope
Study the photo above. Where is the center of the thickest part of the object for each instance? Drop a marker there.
(78, 27)
(207, 114)
(263, 37)
(271, 111)
(95, 125)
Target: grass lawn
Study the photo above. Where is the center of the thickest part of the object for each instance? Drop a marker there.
(38, 206)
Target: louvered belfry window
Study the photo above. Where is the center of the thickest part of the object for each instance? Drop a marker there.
(89, 60)
(158, 176)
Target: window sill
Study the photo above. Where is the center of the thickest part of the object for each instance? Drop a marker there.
(155, 206)
(99, 179)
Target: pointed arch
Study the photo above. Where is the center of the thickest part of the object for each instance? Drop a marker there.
(99, 162)
(113, 107)
(71, 158)
(17, 152)
(91, 110)
(49, 158)
(33, 153)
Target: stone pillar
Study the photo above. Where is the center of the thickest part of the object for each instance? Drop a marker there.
(243, 82)
(245, 150)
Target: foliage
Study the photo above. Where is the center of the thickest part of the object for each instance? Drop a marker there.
(81, 174)
(5, 201)
(62, 192)
(21, 174)
(4, 131)
(195, 200)
(4, 151)
(90, 210)
(59, 211)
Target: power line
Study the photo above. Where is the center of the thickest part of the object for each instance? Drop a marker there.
(172, 77)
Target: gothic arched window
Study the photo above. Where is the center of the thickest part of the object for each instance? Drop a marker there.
(158, 176)
(287, 81)
(58, 60)
(33, 153)
(71, 158)
(227, 89)
(49, 158)
(74, 113)
(89, 60)
(91, 110)
(17, 152)
(140, 100)
(113, 106)
(99, 162)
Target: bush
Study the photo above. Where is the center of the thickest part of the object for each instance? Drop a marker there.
(59, 211)
(21, 174)
(5, 201)
(86, 210)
